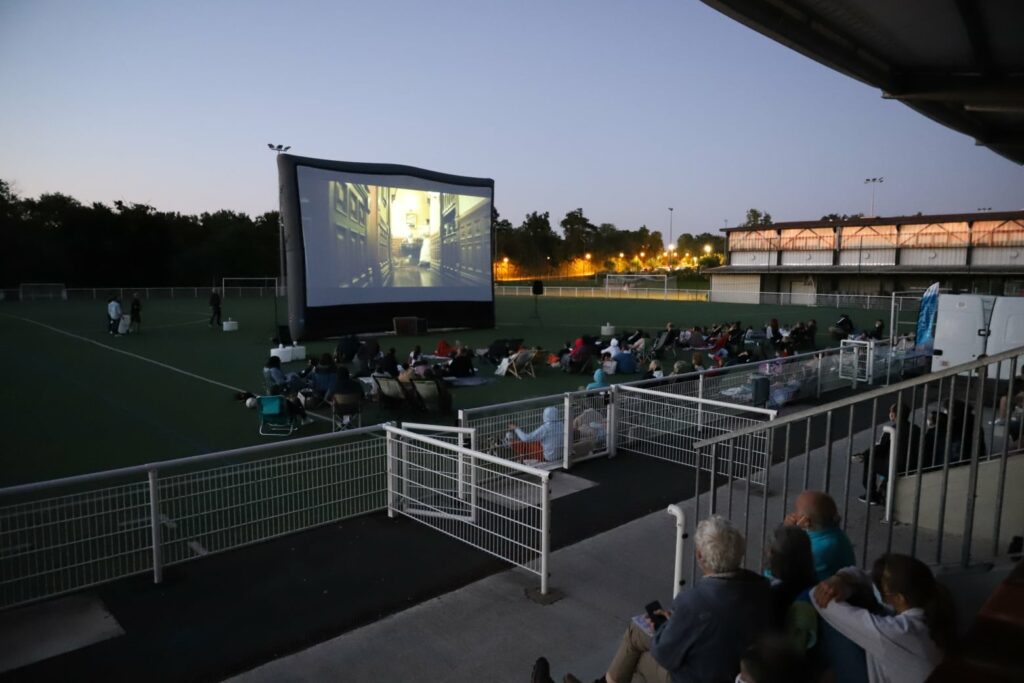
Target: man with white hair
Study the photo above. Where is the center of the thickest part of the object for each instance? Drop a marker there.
(709, 626)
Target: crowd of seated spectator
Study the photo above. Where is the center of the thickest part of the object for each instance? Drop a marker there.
(812, 617)
(941, 424)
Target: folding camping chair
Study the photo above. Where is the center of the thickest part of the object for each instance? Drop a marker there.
(522, 364)
(274, 418)
(433, 397)
(346, 405)
(393, 393)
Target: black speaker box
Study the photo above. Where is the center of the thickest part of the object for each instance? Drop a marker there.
(538, 287)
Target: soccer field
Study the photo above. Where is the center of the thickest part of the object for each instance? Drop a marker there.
(77, 400)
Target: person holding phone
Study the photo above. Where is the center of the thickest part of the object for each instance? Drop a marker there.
(710, 625)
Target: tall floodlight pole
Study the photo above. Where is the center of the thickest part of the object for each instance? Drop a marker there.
(670, 209)
(279, 149)
(873, 182)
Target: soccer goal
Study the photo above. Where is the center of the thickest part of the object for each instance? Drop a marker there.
(42, 291)
(237, 287)
(627, 281)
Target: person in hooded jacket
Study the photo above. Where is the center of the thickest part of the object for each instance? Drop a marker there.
(600, 382)
(549, 435)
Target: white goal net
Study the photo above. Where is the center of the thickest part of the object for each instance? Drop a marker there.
(237, 287)
(627, 281)
(42, 291)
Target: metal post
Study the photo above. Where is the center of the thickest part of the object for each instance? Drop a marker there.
(972, 477)
(821, 359)
(154, 526)
(567, 431)
(545, 532)
(890, 477)
(998, 517)
(677, 572)
(460, 473)
(389, 457)
(700, 406)
(613, 422)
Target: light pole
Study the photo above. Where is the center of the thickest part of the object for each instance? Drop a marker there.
(279, 149)
(670, 210)
(873, 182)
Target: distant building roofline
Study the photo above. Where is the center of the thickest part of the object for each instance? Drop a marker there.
(889, 220)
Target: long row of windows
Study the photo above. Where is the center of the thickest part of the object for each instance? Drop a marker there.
(958, 234)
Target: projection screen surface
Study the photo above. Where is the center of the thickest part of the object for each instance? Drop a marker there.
(365, 244)
(379, 238)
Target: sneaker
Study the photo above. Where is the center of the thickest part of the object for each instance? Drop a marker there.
(541, 671)
(307, 421)
(857, 458)
(873, 500)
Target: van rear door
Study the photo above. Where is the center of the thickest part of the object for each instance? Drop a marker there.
(961, 329)
(1007, 332)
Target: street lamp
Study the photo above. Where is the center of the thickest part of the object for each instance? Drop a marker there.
(670, 210)
(587, 256)
(707, 248)
(873, 182)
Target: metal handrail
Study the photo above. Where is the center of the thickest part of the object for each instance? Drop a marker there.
(181, 462)
(703, 401)
(511, 464)
(982, 362)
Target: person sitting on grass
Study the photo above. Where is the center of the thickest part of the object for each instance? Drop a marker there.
(276, 381)
(600, 381)
(324, 378)
(710, 625)
(654, 370)
(462, 364)
(905, 638)
(549, 435)
(625, 362)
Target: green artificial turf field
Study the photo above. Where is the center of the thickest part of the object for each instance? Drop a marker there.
(77, 400)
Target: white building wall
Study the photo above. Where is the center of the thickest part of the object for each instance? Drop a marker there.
(735, 288)
(867, 257)
(938, 256)
(807, 258)
(752, 258)
(998, 256)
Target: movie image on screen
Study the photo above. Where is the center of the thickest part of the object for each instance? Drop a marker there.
(377, 238)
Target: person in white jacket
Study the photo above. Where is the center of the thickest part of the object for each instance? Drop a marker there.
(113, 315)
(904, 637)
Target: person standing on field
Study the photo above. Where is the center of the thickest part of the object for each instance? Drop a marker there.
(214, 307)
(136, 313)
(113, 315)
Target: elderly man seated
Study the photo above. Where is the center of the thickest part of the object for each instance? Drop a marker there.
(816, 513)
(709, 626)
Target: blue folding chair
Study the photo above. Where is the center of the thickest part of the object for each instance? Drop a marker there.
(274, 419)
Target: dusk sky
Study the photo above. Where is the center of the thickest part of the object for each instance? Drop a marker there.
(621, 108)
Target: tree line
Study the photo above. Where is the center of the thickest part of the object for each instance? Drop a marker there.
(56, 238)
(535, 244)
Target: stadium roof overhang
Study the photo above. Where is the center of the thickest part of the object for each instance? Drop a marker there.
(958, 62)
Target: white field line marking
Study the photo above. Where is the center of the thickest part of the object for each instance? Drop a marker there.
(125, 353)
(197, 548)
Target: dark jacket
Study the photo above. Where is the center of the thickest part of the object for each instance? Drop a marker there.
(711, 625)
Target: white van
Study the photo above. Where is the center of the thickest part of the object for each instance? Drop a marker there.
(969, 325)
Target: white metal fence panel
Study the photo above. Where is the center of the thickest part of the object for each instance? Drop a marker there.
(102, 526)
(494, 437)
(64, 543)
(235, 505)
(667, 426)
(500, 507)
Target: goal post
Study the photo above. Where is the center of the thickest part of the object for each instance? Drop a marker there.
(627, 281)
(42, 291)
(249, 286)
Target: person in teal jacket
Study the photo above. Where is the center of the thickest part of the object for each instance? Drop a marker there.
(816, 513)
(599, 380)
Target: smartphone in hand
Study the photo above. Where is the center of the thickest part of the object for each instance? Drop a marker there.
(652, 609)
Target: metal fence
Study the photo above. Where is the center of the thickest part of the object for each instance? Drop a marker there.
(948, 476)
(500, 507)
(832, 300)
(104, 293)
(104, 526)
(666, 426)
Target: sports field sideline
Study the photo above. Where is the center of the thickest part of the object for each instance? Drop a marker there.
(77, 400)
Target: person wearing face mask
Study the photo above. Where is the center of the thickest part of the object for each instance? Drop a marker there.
(904, 638)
